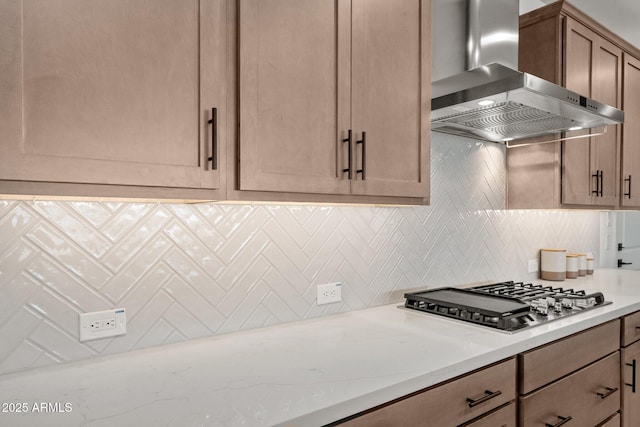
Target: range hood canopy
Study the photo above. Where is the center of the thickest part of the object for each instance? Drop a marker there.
(496, 103)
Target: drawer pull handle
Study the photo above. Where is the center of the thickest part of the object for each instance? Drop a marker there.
(488, 395)
(633, 376)
(607, 393)
(563, 421)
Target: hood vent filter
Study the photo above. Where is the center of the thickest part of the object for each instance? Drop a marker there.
(506, 121)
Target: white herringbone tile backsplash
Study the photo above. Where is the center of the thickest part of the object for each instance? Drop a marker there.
(190, 271)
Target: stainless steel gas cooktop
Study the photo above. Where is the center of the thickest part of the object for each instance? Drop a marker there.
(506, 306)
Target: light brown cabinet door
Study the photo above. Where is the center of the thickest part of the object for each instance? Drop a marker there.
(113, 92)
(630, 192)
(630, 385)
(312, 73)
(391, 96)
(607, 88)
(295, 97)
(593, 67)
(577, 181)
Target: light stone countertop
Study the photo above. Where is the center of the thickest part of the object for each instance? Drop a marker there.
(306, 373)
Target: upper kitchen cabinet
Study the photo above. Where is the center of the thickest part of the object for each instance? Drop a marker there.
(113, 98)
(630, 192)
(592, 67)
(561, 44)
(334, 100)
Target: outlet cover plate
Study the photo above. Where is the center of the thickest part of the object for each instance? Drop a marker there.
(102, 324)
(331, 292)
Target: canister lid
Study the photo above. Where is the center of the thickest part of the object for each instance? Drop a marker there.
(554, 250)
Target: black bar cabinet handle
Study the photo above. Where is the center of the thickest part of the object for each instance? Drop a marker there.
(597, 177)
(601, 182)
(628, 194)
(348, 140)
(633, 376)
(607, 393)
(214, 139)
(563, 420)
(363, 141)
(488, 395)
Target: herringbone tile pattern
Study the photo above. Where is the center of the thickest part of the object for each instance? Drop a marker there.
(190, 271)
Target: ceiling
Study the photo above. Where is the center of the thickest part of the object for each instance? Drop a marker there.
(619, 16)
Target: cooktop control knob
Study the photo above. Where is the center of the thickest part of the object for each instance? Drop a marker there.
(540, 306)
(567, 303)
(557, 307)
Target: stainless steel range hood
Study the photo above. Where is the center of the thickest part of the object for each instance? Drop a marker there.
(493, 101)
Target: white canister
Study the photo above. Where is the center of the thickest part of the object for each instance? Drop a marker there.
(553, 265)
(572, 266)
(582, 264)
(590, 265)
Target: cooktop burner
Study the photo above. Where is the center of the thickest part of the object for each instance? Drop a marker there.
(507, 306)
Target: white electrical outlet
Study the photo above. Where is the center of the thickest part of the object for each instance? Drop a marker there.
(331, 292)
(102, 324)
(532, 266)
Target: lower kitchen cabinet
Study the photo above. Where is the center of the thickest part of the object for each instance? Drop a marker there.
(583, 388)
(630, 385)
(453, 403)
(553, 389)
(586, 398)
(629, 370)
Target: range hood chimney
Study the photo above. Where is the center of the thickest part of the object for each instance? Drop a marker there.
(493, 101)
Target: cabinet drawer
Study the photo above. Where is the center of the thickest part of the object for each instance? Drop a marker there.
(550, 362)
(576, 396)
(630, 328)
(503, 417)
(448, 404)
